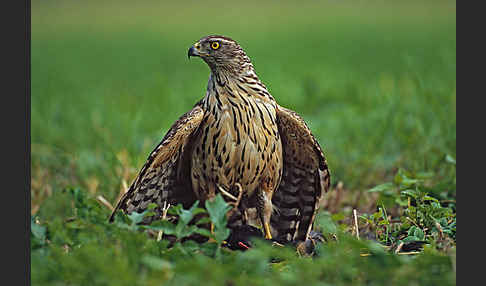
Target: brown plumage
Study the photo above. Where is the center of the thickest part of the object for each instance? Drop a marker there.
(236, 139)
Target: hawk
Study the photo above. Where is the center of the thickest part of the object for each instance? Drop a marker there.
(239, 142)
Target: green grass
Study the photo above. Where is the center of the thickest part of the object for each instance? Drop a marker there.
(375, 81)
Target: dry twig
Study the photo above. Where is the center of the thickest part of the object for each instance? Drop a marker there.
(356, 223)
(399, 248)
(164, 216)
(224, 192)
(104, 202)
(409, 253)
(235, 199)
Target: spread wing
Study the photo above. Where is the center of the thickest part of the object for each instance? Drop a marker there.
(305, 175)
(165, 175)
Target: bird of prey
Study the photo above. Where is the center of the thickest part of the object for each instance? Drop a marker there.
(239, 142)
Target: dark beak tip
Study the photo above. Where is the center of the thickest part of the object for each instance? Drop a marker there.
(190, 52)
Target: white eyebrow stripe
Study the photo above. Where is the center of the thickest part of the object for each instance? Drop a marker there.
(221, 40)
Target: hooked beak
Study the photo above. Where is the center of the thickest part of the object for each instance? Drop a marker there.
(194, 50)
(191, 52)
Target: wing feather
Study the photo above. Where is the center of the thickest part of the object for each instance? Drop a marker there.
(165, 175)
(305, 175)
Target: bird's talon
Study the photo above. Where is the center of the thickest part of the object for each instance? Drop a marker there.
(268, 234)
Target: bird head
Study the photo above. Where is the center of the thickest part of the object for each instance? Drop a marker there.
(221, 53)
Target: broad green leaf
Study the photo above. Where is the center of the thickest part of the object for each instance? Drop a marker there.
(185, 216)
(197, 211)
(221, 234)
(151, 206)
(187, 231)
(326, 223)
(217, 209)
(401, 202)
(175, 210)
(411, 230)
(407, 182)
(411, 239)
(38, 231)
(419, 233)
(204, 220)
(164, 225)
(409, 193)
(136, 217)
(443, 222)
(203, 231)
(381, 188)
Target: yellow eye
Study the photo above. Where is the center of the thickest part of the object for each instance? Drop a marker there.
(214, 45)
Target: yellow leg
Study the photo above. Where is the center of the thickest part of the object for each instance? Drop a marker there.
(268, 234)
(211, 228)
(212, 232)
(264, 205)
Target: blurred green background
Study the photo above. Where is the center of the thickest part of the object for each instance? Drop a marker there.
(375, 81)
